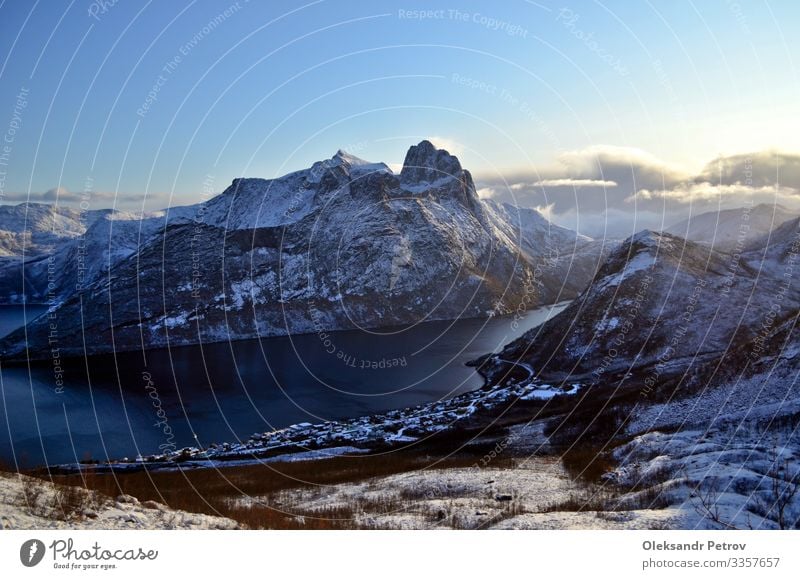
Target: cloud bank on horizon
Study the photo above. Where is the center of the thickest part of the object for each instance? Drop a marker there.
(616, 191)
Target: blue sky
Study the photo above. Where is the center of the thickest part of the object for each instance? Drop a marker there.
(269, 87)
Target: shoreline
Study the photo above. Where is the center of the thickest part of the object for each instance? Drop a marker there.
(69, 353)
(302, 437)
(392, 430)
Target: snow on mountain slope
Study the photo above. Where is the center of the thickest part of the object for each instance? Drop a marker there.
(262, 203)
(661, 306)
(728, 454)
(111, 236)
(782, 237)
(536, 236)
(572, 258)
(36, 228)
(345, 243)
(727, 228)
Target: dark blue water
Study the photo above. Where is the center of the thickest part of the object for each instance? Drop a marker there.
(129, 404)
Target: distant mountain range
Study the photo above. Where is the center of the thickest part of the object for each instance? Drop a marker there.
(33, 229)
(345, 243)
(726, 229)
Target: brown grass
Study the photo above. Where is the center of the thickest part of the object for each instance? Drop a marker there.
(226, 492)
(589, 499)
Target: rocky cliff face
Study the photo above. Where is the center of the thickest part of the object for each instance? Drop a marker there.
(343, 244)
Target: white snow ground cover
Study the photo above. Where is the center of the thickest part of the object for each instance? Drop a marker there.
(728, 457)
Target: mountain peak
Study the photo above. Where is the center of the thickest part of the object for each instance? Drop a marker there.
(646, 236)
(343, 156)
(650, 246)
(655, 240)
(425, 163)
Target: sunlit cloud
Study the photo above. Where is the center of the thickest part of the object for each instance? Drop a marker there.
(704, 192)
(450, 145)
(572, 183)
(596, 161)
(610, 190)
(546, 210)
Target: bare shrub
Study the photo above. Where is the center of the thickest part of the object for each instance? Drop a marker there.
(706, 503)
(31, 494)
(70, 502)
(777, 502)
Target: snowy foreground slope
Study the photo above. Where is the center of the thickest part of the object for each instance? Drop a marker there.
(532, 493)
(31, 503)
(341, 244)
(729, 456)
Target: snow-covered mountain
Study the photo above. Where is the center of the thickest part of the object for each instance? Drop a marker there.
(32, 229)
(29, 233)
(662, 307)
(55, 273)
(687, 360)
(345, 243)
(572, 259)
(726, 229)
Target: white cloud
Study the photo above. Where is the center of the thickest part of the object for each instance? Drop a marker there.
(57, 193)
(546, 210)
(593, 160)
(487, 192)
(616, 191)
(450, 145)
(566, 182)
(705, 192)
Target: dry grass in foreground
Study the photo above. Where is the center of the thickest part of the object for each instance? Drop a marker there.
(226, 492)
